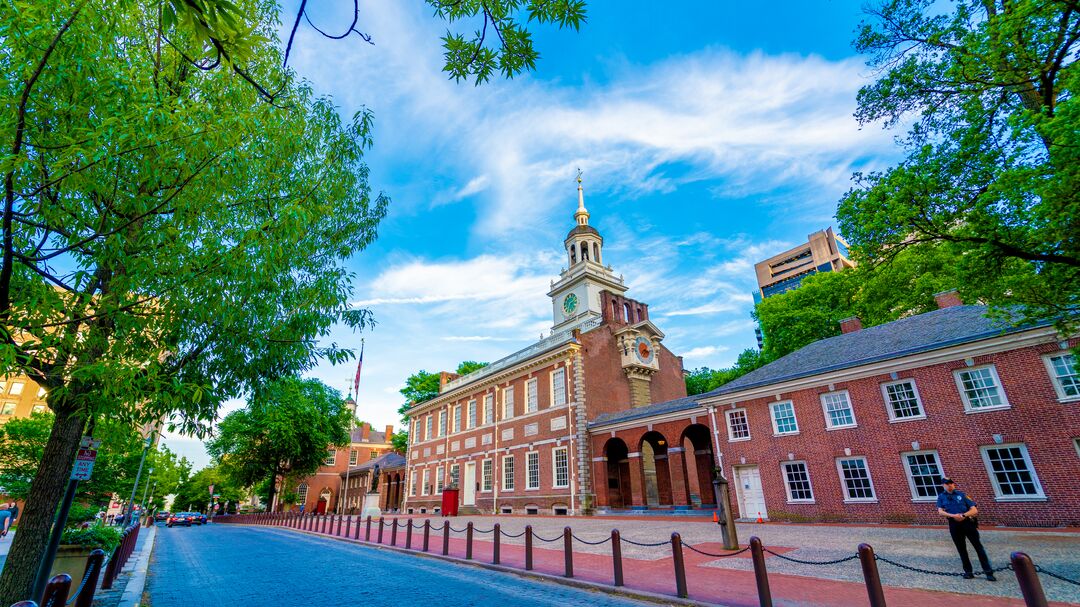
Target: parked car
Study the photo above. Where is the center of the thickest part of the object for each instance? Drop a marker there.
(198, 518)
(179, 518)
(162, 515)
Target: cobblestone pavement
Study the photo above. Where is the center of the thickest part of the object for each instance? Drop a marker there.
(924, 547)
(236, 565)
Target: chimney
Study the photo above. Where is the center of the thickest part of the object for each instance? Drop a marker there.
(445, 377)
(948, 299)
(850, 325)
(389, 433)
(365, 432)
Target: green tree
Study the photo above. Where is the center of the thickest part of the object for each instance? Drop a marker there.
(420, 387)
(22, 444)
(704, 379)
(469, 366)
(988, 92)
(284, 431)
(193, 495)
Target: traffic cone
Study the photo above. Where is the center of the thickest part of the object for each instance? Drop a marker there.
(759, 519)
(715, 518)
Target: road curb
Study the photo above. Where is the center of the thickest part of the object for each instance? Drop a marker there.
(621, 591)
(133, 591)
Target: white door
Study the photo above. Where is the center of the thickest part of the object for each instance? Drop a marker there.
(468, 487)
(751, 497)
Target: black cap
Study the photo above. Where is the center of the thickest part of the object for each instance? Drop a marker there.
(947, 481)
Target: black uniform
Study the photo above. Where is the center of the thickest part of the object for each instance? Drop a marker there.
(968, 529)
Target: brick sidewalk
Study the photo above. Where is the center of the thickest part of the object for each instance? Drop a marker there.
(650, 569)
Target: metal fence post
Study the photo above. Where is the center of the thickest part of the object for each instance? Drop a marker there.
(446, 538)
(468, 541)
(381, 525)
(408, 534)
(90, 574)
(616, 556)
(761, 576)
(1028, 578)
(367, 534)
(528, 548)
(348, 525)
(427, 533)
(338, 526)
(56, 590)
(680, 567)
(568, 551)
(495, 546)
(393, 533)
(870, 575)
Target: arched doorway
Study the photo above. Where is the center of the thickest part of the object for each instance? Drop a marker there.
(654, 454)
(324, 501)
(698, 459)
(618, 473)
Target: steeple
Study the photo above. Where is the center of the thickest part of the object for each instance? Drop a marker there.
(584, 242)
(582, 214)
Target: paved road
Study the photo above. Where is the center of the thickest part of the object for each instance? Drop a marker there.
(235, 565)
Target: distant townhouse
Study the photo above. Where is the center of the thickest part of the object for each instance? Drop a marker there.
(512, 437)
(862, 426)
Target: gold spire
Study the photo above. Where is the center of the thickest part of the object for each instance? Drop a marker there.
(582, 215)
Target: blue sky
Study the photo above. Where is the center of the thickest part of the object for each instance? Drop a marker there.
(711, 135)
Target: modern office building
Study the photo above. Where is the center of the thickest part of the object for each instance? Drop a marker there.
(823, 251)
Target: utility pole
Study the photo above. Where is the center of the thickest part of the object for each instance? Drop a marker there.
(138, 475)
(147, 488)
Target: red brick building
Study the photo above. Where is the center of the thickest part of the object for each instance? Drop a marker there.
(512, 437)
(861, 426)
(322, 491)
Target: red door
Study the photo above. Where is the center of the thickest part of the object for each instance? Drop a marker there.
(320, 507)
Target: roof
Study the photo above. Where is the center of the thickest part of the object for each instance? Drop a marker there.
(357, 434)
(586, 229)
(387, 461)
(920, 333)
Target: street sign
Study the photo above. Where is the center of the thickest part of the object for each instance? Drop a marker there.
(84, 464)
(211, 489)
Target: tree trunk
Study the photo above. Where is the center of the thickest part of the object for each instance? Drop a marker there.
(273, 487)
(47, 489)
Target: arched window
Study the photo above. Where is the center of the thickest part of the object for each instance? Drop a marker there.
(640, 315)
(573, 254)
(596, 252)
(301, 493)
(584, 251)
(629, 313)
(615, 314)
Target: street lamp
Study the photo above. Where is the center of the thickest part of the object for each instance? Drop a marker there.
(146, 489)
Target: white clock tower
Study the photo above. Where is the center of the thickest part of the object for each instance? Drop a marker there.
(575, 297)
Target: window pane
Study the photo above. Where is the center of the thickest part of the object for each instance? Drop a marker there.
(1011, 472)
(532, 468)
(838, 410)
(1066, 374)
(562, 468)
(508, 403)
(530, 396)
(856, 479)
(472, 414)
(925, 474)
(508, 473)
(902, 400)
(737, 424)
(489, 409)
(980, 388)
(558, 386)
(798, 481)
(486, 474)
(784, 418)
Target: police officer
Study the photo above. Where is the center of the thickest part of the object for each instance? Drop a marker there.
(960, 511)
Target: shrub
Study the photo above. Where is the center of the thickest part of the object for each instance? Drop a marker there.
(96, 536)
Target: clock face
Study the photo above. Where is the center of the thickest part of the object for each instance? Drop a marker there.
(569, 304)
(643, 350)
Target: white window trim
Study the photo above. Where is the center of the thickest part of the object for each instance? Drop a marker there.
(470, 415)
(566, 389)
(510, 390)
(888, 405)
(412, 484)
(536, 391)
(998, 497)
(425, 482)
(843, 481)
(915, 497)
(555, 468)
(1076, 443)
(772, 418)
(828, 420)
(1062, 397)
(997, 381)
(489, 405)
(538, 469)
(331, 458)
(513, 476)
(490, 462)
(727, 420)
(787, 486)
(439, 482)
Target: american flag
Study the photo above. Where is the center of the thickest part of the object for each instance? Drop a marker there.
(359, 365)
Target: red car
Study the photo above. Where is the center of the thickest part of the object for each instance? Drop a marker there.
(179, 518)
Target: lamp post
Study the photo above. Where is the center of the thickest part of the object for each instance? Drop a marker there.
(138, 476)
(146, 489)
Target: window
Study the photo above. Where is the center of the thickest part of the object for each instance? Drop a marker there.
(41, 393)
(442, 422)
(427, 428)
(331, 457)
(301, 493)
(16, 388)
(485, 475)
(508, 473)
(561, 467)
(1065, 375)
(783, 418)
(558, 388)
(508, 402)
(924, 474)
(902, 400)
(472, 414)
(425, 484)
(457, 419)
(9, 409)
(440, 476)
(455, 475)
(1011, 472)
(530, 396)
(980, 389)
(489, 409)
(737, 426)
(352, 457)
(797, 482)
(412, 483)
(414, 431)
(532, 470)
(38, 409)
(856, 479)
(838, 412)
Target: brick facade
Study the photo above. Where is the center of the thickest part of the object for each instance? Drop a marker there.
(321, 491)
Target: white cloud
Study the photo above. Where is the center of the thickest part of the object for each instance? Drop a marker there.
(703, 352)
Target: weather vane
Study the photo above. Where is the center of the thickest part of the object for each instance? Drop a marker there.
(579, 175)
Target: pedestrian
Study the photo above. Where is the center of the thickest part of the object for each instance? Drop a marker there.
(14, 512)
(5, 518)
(962, 515)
